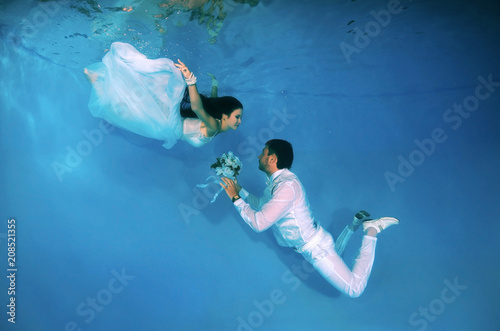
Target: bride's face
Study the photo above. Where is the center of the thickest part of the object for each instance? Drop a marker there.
(233, 120)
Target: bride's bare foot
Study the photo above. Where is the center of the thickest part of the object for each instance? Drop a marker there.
(91, 76)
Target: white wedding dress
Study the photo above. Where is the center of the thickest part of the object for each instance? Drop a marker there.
(143, 96)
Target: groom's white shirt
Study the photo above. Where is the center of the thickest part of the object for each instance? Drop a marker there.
(284, 205)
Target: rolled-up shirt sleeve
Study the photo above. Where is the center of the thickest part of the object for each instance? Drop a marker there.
(270, 212)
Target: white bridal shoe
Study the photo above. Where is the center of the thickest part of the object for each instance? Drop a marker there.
(380, 224)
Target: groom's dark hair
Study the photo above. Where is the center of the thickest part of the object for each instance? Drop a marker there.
(283, 151)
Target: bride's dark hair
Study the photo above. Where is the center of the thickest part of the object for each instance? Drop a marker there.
(215, 107)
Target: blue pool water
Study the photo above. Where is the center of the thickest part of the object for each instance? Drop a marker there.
(392, 107)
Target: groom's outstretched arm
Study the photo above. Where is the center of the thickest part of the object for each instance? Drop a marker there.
(254, 201)
(277, 208)
(280, 204)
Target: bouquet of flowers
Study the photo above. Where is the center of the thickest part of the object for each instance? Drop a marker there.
(228, 165)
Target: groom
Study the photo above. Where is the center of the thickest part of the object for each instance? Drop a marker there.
(285, 208)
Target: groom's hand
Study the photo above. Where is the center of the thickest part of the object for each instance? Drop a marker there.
(231, 187)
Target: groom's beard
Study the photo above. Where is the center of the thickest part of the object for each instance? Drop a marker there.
(262, 167)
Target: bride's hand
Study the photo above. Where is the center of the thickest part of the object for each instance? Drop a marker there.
(182, 67)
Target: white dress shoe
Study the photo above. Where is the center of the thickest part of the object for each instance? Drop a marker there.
(380, 224)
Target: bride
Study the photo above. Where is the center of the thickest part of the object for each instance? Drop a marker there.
(145, 96)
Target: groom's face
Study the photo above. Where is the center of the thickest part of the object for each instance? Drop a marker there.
(264, 159)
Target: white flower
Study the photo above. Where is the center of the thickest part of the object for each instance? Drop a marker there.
(228, 165)
(227, 172)
(232, 161)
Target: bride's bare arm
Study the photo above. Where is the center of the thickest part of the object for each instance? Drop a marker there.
(196, 104)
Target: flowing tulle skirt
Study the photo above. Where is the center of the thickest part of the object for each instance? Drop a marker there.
(138, 94)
